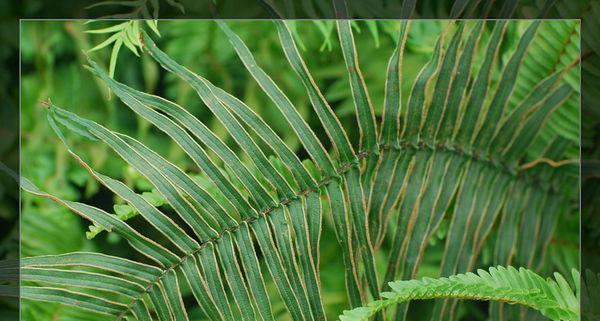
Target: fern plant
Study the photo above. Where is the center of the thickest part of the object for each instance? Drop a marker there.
(553, 298)
(452, 151)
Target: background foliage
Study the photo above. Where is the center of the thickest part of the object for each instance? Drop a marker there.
(52, 67)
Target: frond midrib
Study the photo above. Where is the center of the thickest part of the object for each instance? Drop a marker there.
(501, 166)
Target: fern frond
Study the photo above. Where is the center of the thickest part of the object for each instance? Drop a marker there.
(554, 298)
(128, 33)
(125, 33)
(451, 150)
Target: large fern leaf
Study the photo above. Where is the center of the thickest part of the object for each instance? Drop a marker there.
(452, 151)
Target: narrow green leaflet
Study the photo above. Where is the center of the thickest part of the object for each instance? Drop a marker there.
(392, 104)
(66, 297)
(503, 91)
(360, 94)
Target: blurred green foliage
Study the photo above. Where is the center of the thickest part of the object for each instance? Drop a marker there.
(52, 54)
